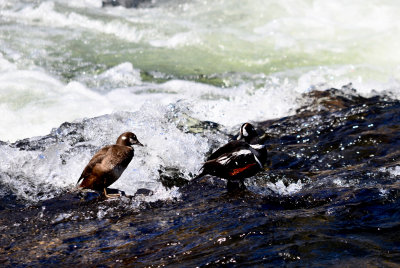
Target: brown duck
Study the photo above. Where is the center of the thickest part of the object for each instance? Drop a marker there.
(108, 164)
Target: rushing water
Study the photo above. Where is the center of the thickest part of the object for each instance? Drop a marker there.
(183, 75)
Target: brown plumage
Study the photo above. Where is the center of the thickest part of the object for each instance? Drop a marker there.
(108, 164)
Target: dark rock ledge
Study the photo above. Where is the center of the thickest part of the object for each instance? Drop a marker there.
(124, 3)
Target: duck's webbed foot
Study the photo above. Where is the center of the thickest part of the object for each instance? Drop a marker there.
(111, 195)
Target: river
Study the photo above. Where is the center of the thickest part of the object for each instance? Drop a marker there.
(320, 79)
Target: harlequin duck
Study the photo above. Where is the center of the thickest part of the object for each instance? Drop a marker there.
(109, 163)
(236, 160)
(247, 133)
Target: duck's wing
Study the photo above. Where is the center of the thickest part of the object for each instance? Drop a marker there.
(96, 159)
(230, 164)
(236, 157)
(227, 148)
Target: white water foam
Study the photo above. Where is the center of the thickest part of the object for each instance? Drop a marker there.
(265, 188)
(59, 166)
(37, 101)
(394, 171)
(280, 188)
(33, 102)
(46, 15)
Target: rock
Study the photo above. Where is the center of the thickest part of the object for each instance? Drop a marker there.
(143, 192)
(124, 3)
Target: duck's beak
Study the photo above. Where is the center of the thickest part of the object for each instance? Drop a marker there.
(138, 143)
(135, 142)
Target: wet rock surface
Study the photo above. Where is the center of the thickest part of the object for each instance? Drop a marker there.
(330, 196)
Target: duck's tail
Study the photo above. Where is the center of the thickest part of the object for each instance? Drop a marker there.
(77, 183)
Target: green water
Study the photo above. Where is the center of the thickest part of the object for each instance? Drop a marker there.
(188, 39)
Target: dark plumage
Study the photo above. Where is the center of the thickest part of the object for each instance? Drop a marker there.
(108, 164)
(248, 133)
(238, 159)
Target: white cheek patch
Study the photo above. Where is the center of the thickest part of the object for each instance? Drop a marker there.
(124, 138)
(131, 141)
(245, 132)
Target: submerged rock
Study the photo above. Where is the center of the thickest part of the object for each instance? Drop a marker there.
(124, 3)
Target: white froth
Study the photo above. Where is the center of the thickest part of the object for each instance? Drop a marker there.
(178, 40)
(280, 188)
(46, 14)
(84, 3)
(362, 78)
(33, 102)
(394, 171)
(44, 102)
(5, 65)
(28, 173)
(122, 75)
(40, 102)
